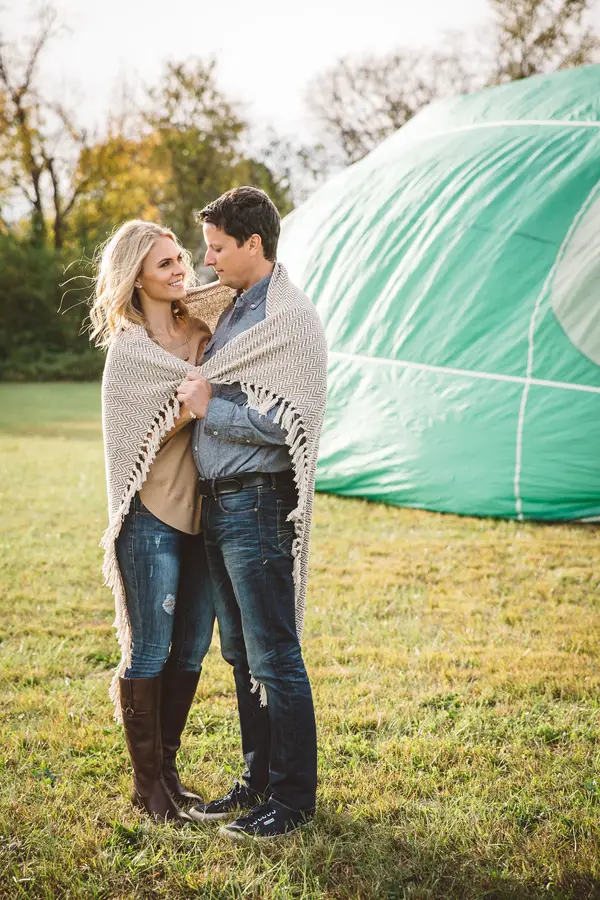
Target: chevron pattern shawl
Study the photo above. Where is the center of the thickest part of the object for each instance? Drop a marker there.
(280, 360)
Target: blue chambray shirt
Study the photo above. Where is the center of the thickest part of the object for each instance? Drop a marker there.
(232, 439)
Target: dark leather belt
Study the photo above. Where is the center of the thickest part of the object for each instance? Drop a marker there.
(236, 483)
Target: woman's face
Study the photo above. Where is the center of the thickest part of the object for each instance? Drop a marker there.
(163, 272)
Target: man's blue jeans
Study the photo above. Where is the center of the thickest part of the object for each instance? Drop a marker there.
(248, 548)
(168, 595)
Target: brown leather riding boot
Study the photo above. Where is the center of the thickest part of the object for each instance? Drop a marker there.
(140, 706)
(177, 696)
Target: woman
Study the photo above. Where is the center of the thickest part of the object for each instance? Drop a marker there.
(154, 553)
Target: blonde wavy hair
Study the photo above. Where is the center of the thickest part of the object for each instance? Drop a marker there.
(119, 263)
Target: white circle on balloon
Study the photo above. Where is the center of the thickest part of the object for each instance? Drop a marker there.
(575, 295)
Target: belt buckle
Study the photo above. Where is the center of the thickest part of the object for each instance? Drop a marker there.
(234, 490)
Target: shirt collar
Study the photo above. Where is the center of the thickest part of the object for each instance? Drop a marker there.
(257, 294)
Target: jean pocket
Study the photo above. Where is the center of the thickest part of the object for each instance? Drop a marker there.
(285, 530)
(244, 501)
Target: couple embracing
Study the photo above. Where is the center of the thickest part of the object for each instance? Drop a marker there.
(213, 400)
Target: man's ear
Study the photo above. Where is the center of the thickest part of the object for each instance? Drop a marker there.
(255, 244)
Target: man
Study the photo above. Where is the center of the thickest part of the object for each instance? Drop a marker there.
(249, 491)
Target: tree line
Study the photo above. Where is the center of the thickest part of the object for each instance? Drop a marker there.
(62, 190)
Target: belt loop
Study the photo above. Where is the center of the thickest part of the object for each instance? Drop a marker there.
(213, 487)
(273, 481)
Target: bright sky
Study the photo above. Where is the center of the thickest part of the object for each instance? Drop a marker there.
(266, 50)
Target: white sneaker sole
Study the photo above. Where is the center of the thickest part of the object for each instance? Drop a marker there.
(210, 817)
(242, 837)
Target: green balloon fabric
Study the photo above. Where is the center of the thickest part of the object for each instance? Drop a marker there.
(456, 270)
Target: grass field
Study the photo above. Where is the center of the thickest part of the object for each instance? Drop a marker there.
(455, 671)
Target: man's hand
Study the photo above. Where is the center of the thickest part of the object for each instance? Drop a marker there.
(195, 392)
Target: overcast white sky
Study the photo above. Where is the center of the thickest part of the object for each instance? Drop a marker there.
(266, 50)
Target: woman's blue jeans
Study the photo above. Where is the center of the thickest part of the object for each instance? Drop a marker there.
(167, 593)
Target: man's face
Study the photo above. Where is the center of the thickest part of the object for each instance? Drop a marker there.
(232, 264)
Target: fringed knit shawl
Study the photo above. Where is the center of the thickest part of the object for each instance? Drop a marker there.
(280, 360)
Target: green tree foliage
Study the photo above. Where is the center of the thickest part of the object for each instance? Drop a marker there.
(198, 136)
(199, 142)
(122, 181)
(39, 336)
(185, 150)
(257, 173)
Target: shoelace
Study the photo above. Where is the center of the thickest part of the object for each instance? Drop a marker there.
(235, 790)
(258, 819)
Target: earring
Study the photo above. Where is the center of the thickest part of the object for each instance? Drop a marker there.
(137, 285)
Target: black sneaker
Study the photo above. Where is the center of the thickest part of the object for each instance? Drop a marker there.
(239, 798)
(267, 822)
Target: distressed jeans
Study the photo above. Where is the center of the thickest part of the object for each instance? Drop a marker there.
(248, 548)
(167, 592)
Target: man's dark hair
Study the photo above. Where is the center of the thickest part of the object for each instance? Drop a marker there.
(242, 212)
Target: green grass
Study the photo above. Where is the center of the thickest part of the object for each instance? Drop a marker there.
(455, 671)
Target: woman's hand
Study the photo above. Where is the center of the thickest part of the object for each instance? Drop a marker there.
(195, 392)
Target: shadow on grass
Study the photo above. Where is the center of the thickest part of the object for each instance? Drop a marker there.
(377, 860)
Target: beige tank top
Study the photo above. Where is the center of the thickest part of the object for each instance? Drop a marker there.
(171, 490)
